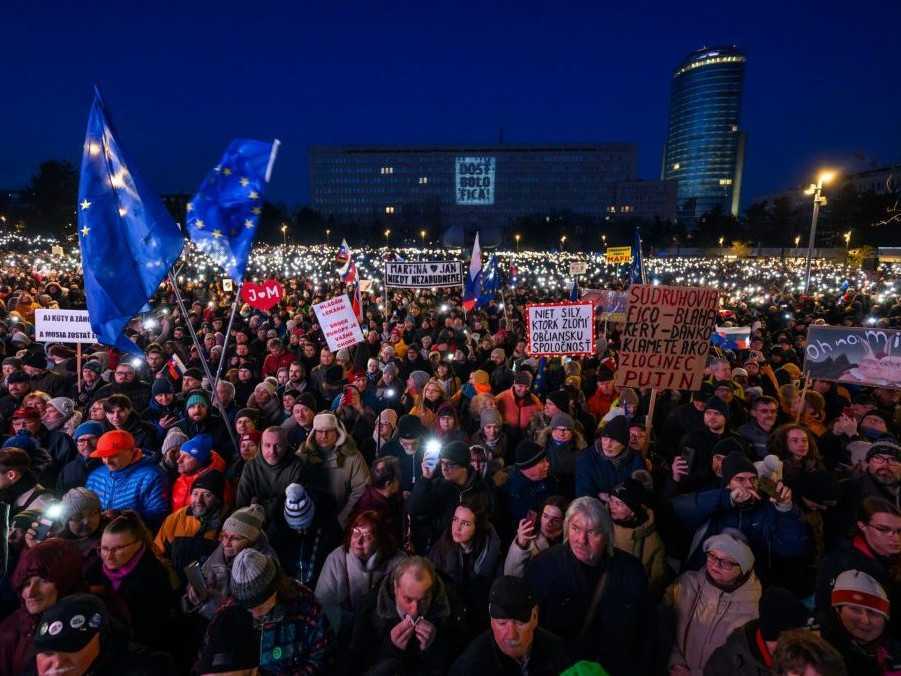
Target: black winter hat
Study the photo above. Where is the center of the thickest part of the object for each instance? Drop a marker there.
(212, 480)
(511, 598)
(560, 398)
(308, 399)
(410, 427)
(736, 463)
(35, 360)
(728, 445)
(161, 386)
(528, 454)
(631, 491)
(456, 452)
(717, 404)
(617, 428)
(779, 610)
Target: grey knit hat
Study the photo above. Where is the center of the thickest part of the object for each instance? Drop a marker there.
(299, 507)
(78, 500)
(64, 405)
(490, 416)
(734, 544)
(174, 439)
(563, 420)
(419, 378)
(254, 577)
(247, 522)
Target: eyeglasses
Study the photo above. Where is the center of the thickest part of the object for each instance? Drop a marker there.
(884, 460)
(722, 564)
(363, 534)
(885, 530)
(108, 551)
(447, 464)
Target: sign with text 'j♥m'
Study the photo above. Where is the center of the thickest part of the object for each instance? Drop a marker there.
(338, 322)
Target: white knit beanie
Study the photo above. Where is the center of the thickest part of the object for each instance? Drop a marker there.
(856, 588)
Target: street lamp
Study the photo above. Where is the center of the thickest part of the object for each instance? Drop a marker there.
(516, 237)
(722, 239)
(285, 248)
(797, 241)
(328, 236)
(387, 235)
(422, 234)
(847, 237)
(562, 241)
(816, 190)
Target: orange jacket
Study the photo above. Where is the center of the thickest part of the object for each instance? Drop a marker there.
(517, 413)
(181, 489)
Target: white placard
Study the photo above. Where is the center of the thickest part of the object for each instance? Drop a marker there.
(475, 180)
(560, 328)
(578, 268)
(227, 284)
(423, 274)
(338, 322)
(63, 326)
(57, 250)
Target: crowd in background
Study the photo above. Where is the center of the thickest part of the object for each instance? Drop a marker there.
(436, 500)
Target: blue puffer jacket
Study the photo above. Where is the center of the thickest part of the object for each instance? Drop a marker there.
(772, 534)
(141, 486)
(595, 473)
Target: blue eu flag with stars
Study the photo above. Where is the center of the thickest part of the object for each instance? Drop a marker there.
(128, 240)
(224, 214)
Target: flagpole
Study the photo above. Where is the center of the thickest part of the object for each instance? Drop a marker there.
(203, 361)
(228, 333)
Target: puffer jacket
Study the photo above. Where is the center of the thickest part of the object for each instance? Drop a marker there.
(341, 472)
(644, 543)
(141, 486)
(181, 489)
(706, 615)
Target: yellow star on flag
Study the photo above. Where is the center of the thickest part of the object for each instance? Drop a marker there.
(227, 171)
(254, 195)
(190, 207)
(244, 182)
(257, 211)
(199, 224)
(85, 204)
(84, 231)
(248, 223)
(216, 234)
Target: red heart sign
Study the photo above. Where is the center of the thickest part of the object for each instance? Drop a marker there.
(264, 295)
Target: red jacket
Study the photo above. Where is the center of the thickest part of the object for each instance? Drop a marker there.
(517, 413)
(272, 363)
(181, 489)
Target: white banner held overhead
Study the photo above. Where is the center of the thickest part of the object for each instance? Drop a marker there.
(63, 326)
(423, 274)
(338, 322)
(578, 268)
(560, 328)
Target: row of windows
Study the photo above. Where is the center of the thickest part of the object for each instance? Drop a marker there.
(708, 62)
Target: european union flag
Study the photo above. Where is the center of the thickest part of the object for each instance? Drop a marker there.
(128, 240)
(490, 281)
(636, 270)
(224, 214)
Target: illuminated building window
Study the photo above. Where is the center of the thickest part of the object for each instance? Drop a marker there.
(386, 170)
(423, 180)
(734, 127)
(389, 210)
(676, 166)
(725, 181)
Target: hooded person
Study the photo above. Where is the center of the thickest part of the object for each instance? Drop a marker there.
(45, 573)
(710, 604)
(333, 466)
(563, 444)
(608, 462)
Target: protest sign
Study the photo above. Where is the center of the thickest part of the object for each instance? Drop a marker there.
(423, 275)
(866, 356)
(63, 326)
(667, 336)
(338, 322)
(612, 303)
(578, 267)
(57, 250)
(263, 295)
(618, 254)
(560, 328)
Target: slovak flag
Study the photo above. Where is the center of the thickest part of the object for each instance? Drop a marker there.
(472, 285)
(348, 273)
(732, 337)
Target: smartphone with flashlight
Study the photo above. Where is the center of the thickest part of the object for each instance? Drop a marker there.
(432, 453)
(48, 519)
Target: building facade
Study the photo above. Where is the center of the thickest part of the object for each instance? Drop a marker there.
(468, 186)
(704, 150)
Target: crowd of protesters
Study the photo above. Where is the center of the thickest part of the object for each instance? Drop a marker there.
(436, 500)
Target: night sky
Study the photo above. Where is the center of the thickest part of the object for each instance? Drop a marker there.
(182, 79)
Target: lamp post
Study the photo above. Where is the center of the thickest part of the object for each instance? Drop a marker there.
(562, 242)
(722, 239)
(797, 241)
(387, 235)
(285, 248)
(422, 234)
(328, 237)
(847, 237)
(516, 237)
(818, 199)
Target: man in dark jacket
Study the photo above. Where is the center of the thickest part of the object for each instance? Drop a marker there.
(34, 363)
(515, 640)
(58, 444)
(19, 386)
(202, 419)
(121, 415)
(608, 462)
(266, 477)
(410, 624)
(435, 498)
(76, 471)
(594, 595)
(529, 483)
(694, 463)
(125, 382)
(407, 448)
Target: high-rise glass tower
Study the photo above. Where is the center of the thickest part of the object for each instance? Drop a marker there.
(704, 150)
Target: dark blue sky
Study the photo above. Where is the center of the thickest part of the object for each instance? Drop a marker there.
(183, 78)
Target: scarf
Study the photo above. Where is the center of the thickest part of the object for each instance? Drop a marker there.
(117, 577)
(765, 655)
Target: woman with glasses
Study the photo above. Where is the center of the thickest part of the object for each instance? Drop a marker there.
(709, 604)
(468, 554)
(355, 568)
(136, 577)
